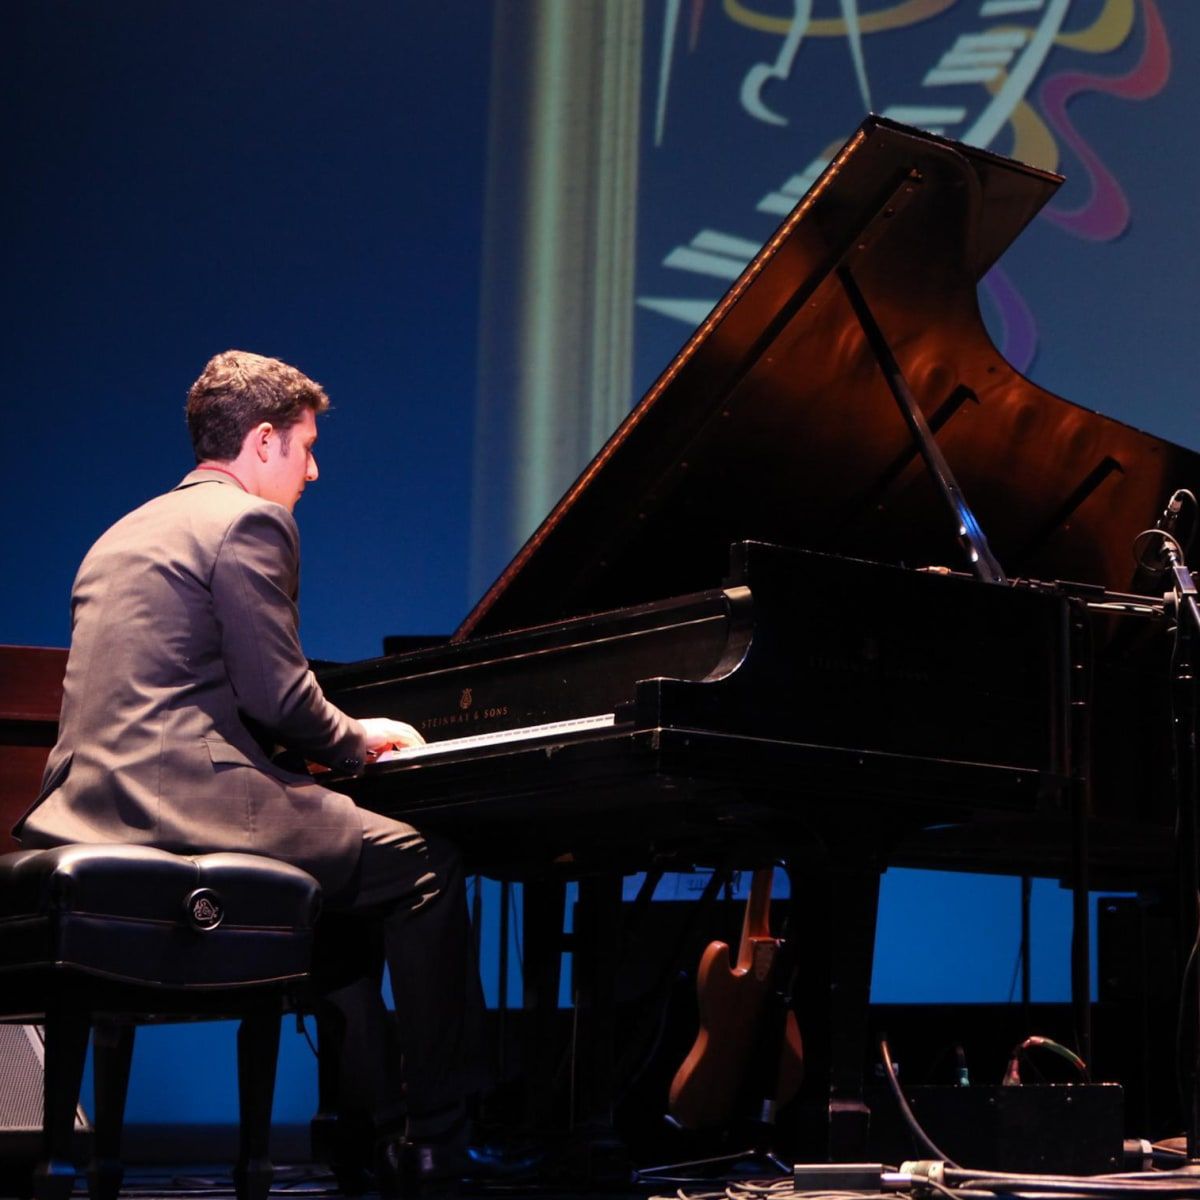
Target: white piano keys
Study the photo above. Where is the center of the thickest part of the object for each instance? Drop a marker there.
(498, 737)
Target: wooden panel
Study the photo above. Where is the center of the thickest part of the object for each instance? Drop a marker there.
(31, 684)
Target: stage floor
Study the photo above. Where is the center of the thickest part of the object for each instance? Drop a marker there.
(308, 1182)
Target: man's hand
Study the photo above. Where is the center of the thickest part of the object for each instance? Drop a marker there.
(385, 734)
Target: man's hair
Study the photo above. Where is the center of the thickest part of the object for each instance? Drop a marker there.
(237, 391)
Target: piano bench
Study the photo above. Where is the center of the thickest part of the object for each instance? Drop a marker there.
(107, 937)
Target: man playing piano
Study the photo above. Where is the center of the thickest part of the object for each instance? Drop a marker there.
(184, 678)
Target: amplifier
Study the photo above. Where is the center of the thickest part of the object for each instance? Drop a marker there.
(1060, 1128)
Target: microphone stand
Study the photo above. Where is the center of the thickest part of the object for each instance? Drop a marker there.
(1183, 596)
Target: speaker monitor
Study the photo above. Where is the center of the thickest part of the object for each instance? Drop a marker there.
(21, 1057)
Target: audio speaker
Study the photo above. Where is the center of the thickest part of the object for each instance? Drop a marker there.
(21, 1057)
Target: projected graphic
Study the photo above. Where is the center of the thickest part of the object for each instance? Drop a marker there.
(708, 121)
(998, 74)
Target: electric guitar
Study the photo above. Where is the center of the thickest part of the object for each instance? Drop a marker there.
(735, 1003)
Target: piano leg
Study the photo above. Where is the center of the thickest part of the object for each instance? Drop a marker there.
(834, 906)
(544, 909)
(598, 931)
(593, 1153)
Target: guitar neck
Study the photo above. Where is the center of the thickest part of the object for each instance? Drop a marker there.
(756, 922)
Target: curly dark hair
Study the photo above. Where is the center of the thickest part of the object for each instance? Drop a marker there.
(238, 390)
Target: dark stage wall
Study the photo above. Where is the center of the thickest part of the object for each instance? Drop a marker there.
(484, 228)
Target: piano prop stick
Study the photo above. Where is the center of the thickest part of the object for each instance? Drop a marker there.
(736, 1024)
(970, 532)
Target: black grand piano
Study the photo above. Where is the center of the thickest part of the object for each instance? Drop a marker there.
(843, 589)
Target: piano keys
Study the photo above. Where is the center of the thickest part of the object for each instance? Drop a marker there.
(523, 733)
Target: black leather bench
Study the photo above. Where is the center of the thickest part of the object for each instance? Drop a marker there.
(97, 939)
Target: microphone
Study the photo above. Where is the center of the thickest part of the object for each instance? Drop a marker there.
(1149, 547)
(1166, 523)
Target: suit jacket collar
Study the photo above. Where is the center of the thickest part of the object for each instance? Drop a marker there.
(206, 475)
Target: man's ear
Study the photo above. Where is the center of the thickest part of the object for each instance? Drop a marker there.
(261, 435)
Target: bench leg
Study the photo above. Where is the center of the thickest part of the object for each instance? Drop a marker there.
(112, 1052)
(323, 1126)
(258, 1050)
(67, 1032)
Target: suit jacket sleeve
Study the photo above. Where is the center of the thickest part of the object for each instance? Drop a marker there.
(254, 583)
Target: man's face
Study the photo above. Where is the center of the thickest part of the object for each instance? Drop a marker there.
(290, 462)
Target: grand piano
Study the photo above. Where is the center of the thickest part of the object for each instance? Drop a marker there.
(844, 589)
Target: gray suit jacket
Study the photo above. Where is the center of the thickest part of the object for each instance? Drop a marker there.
(185, 663)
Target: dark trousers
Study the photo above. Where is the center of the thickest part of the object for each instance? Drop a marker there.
(406, 906)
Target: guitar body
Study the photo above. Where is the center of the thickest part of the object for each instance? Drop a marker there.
(733, 1002)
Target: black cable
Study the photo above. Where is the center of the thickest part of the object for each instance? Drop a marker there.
(1181, 1011)
(943, 1190)
(1189, 967)
(923, 1139)
(1158, 1184)
(967, 1182)
(302, 1027)
(1016, 974)
(515, 929)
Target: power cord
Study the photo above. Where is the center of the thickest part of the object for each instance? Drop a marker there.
(1012, 1076)
(914, 1126)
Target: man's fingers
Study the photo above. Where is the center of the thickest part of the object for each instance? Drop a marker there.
(383, 734)
(408, 736)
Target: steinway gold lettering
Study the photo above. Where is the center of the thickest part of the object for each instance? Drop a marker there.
(495, 712)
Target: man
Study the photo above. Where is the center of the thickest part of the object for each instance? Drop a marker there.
(185, 676)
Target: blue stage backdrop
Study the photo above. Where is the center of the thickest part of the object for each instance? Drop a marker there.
(485, 228)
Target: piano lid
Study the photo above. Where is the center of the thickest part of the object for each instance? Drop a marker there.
(775, 423)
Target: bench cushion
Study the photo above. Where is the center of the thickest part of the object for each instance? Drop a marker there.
(145, 916)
